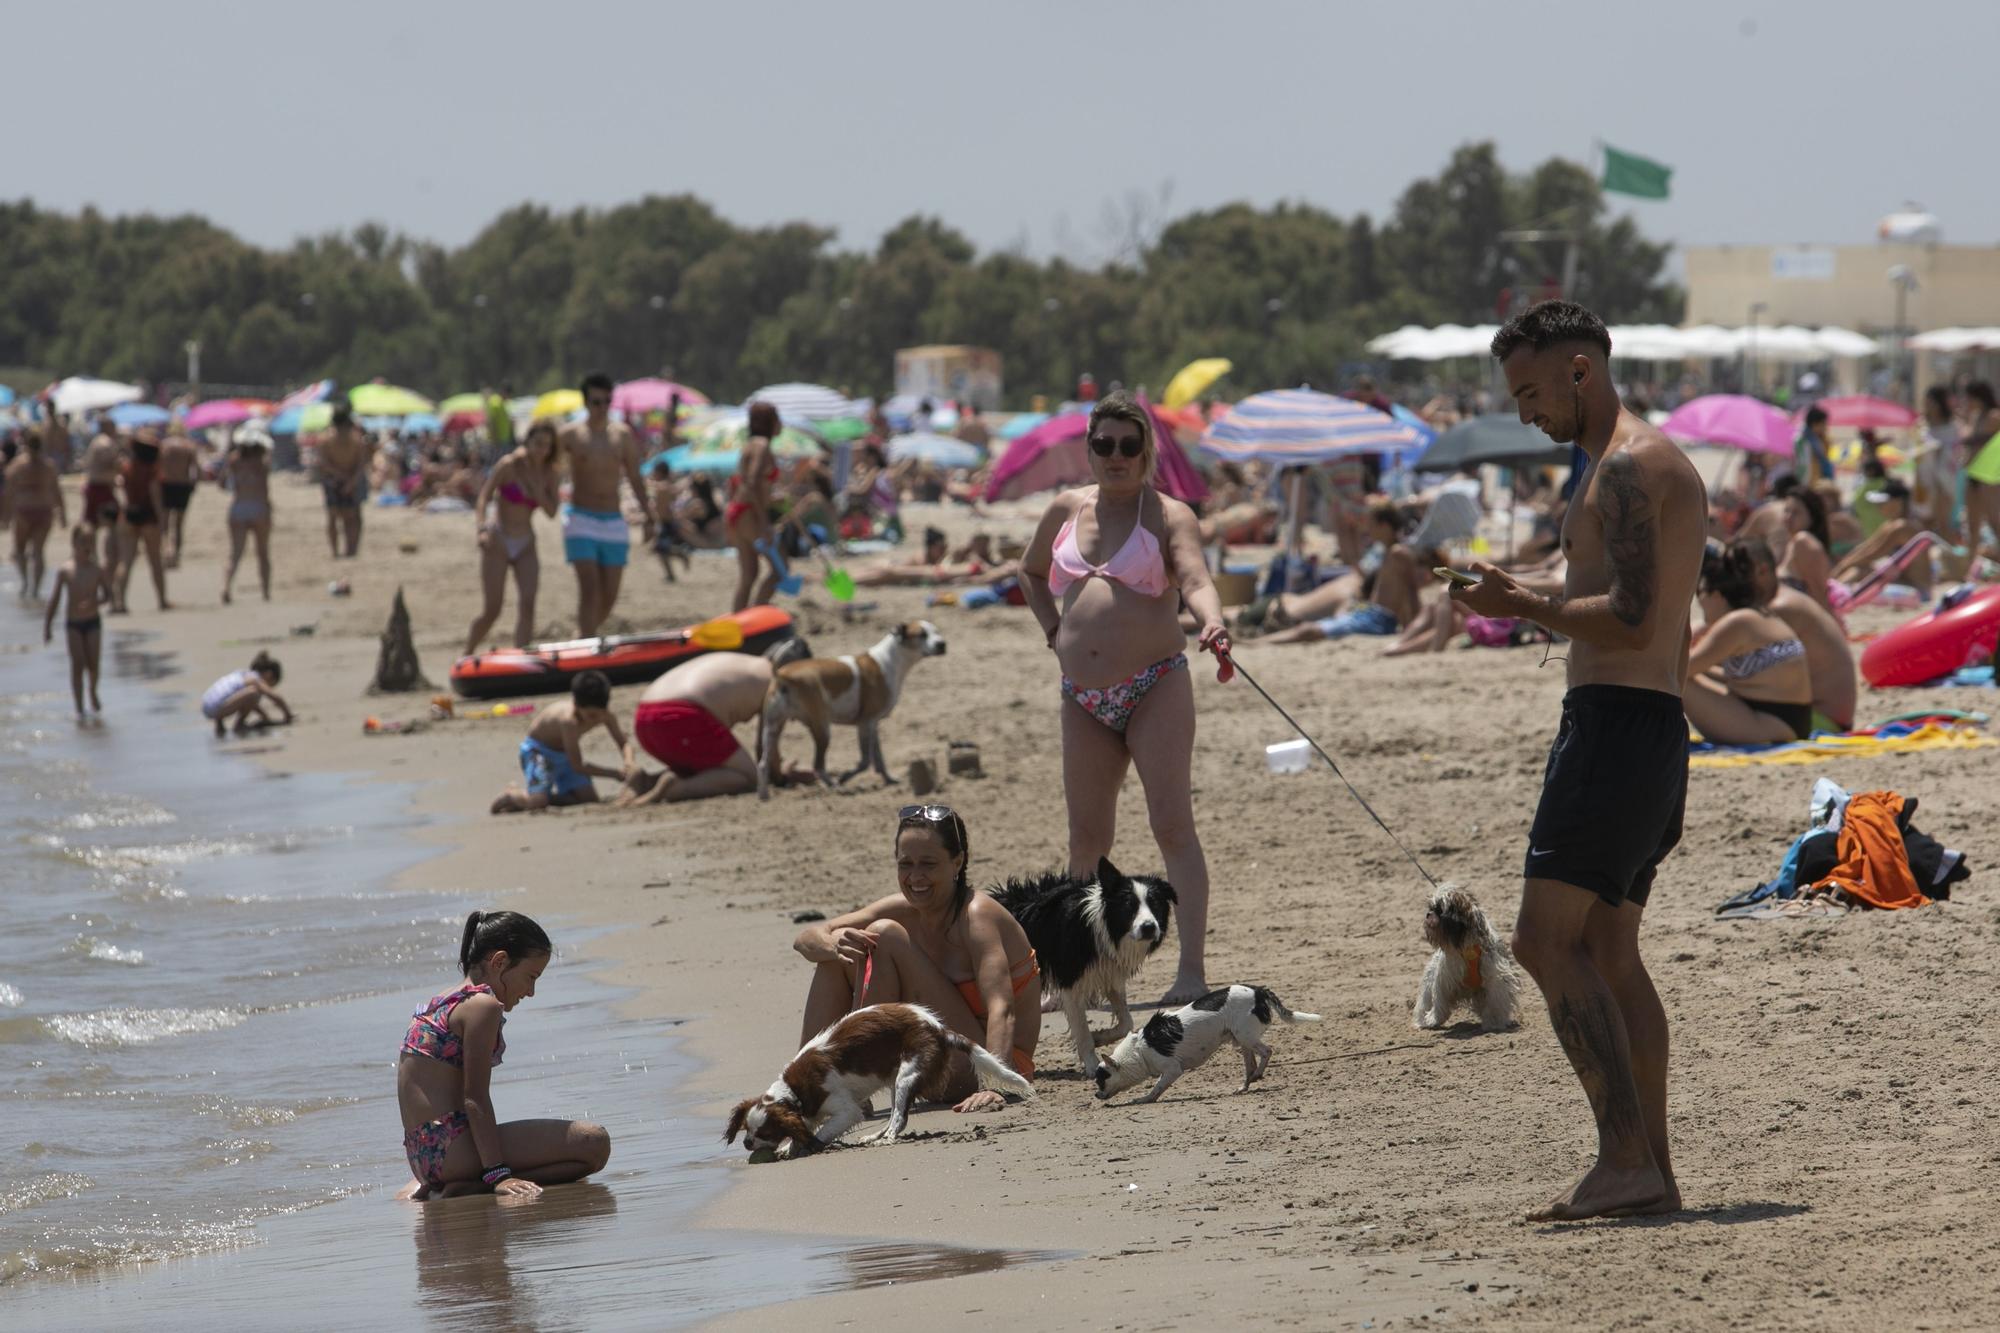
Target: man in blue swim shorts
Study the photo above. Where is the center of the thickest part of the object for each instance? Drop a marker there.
(596, 537)
(552, 764)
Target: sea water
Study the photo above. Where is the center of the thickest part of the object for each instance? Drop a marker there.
(206, 970)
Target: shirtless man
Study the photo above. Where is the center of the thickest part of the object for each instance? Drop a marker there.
(343, 479)
(684, 720)
(35, 493)
(180, 472)
(101, 462)
(595, 536)
(1828, 656)
(1616, 784)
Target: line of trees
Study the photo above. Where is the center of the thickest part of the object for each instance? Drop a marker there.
(1290, 293)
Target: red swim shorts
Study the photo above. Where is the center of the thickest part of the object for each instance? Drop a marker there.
(684, 736)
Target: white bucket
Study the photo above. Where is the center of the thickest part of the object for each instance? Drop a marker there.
(1288, 756)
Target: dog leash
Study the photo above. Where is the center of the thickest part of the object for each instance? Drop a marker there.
(1227, 666)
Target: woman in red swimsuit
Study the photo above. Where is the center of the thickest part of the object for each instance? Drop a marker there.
(525, 480)
(747, 516)
(1105, 575)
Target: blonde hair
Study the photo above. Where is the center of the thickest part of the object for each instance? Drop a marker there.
(1119, 405)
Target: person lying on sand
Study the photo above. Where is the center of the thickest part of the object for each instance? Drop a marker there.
(941, 567)
(240, 697)
(937, 943)
(552, 759)
(1388, 598)
(1442, 620)
(454, 1142)
(684, 720)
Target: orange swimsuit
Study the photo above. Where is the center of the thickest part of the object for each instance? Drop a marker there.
(1024, 1061)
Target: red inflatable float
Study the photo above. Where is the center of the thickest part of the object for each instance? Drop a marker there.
(1936, 643)
(547, 667)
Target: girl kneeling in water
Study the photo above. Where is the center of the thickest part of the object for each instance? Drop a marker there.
(456, 1145)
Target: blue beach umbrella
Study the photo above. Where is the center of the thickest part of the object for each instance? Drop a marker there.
(418, 422)
(686, 458)
(132, 416)
(937, 450)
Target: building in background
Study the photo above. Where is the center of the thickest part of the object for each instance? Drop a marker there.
(961, 374)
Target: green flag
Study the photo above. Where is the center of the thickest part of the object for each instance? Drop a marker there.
(1642, 177)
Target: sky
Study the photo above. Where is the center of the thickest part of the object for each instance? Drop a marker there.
(1022, 123)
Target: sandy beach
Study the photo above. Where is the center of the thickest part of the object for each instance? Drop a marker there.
(1829, 1073)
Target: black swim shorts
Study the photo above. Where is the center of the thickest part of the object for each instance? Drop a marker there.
(175, 494)
(1614, 793)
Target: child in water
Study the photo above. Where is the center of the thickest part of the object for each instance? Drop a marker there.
(87, 583)
(552, 759)
(455, 1143)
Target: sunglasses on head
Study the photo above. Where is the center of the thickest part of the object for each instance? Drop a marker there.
(930, 814)
(1104, 446)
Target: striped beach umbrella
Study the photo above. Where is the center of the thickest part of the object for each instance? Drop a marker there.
(1292, 427)
(805, 402)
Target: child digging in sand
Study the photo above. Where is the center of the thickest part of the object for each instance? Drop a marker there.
(240, 696)
(87, 583)
(552, 759)
(453, 1139)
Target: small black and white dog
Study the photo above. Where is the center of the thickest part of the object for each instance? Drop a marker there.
(1091, 937)
(1171, 1044)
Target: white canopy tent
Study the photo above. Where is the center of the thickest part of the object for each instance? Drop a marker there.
(79, 394)
(1648, 342)
(1956, 340)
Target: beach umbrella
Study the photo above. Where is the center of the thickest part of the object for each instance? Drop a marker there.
(637, 397)
(222, 412)
(805, 402)
(303, 419)
(937, 450)
(1020, 424)
(386, 400)
(316, 392)
(558, 403)
(1498, 438)
(1193, 379)
(1734, 420)
(728, 434)
(1291, 427)
(132, 416)
(687, 458)
(1053, 454)
(460, 403)
(842, 430)
(80, 394)
(1860, 412)
(417, 423)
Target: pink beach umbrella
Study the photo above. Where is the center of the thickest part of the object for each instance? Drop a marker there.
(1860, 412)
(221, 412)
(1734, 420)
(1052, 455)
(638, 397)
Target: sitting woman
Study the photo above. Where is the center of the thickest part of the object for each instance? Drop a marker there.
(1806, 564)
(936, 943)
(1761, 693)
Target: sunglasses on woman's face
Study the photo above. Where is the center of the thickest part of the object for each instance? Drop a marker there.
(1130, 447)
(930, 814)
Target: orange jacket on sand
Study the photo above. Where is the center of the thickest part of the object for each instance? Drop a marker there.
(1873, 866)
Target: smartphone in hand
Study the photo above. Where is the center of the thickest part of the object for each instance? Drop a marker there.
(1453, 577)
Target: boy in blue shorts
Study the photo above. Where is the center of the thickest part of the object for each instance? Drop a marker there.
(552, 762)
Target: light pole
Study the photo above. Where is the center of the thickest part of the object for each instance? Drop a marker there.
(1750, 374)
(659, 306)
(1905, 282)
(193, 349)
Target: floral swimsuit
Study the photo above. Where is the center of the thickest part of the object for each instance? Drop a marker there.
(430, 1035)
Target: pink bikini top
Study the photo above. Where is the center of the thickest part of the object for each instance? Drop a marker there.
(430, 1031)
(1138, 564)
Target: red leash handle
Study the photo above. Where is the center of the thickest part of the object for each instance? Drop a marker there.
(1225, 669)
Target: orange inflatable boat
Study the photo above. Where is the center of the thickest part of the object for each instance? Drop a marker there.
(546, 668)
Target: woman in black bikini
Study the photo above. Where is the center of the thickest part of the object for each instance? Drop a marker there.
(1761, 692)
(525, 480)
(139, 524)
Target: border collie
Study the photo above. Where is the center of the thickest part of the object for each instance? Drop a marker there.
(824, 1091)
(1172, 1044)
(1091, 936)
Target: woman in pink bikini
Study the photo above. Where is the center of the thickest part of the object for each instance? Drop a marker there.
(1106, 573)
(524, 480)
(455, 1143)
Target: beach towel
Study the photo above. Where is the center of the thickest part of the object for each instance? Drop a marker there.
(1899, 738)
(1872, 866)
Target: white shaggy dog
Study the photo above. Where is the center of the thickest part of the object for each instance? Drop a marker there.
(1171, 1044)
(1469, 965)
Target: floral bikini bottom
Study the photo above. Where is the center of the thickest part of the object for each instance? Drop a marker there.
(1113, 705)
(427, 1144)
